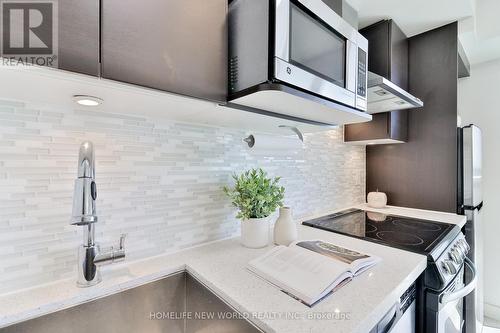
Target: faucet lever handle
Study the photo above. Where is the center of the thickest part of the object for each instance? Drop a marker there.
(122, 241)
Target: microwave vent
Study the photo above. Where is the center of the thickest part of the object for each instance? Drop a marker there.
(233, 72)
(381, 92)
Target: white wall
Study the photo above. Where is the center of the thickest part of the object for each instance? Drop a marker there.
(160, 182)
(479, 103)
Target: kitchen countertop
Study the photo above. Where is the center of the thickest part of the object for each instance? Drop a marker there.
(220, 265)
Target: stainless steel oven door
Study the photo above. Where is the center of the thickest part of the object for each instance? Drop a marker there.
(316, 50)
(451, 315)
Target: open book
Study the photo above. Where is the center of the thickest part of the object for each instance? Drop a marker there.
(310, 270)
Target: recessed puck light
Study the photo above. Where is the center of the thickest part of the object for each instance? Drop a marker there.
(87, 100)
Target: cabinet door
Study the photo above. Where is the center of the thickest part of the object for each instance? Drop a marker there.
(172, 45)
(388, 51)
(79, 36)
(398, 56)
(379, 47)
(376, 129)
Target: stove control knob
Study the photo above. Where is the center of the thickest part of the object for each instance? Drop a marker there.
(456, 256)
(449, 267)
(462, 253)
(462, 247)
(465, 245)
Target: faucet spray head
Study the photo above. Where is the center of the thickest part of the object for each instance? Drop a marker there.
(85, 194)
(86, 160)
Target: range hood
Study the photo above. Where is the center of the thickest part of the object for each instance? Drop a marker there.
(384, 96)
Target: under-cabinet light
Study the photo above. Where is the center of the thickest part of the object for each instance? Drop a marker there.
(87, 100)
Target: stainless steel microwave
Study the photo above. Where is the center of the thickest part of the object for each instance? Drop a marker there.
(302, 44)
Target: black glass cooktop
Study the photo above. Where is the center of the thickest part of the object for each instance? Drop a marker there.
(421, 236)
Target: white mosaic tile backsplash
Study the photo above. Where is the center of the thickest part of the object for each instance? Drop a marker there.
(158, 181)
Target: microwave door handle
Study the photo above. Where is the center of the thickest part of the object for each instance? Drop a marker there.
(466, 290)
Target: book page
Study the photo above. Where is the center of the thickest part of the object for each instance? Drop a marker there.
(333, 251)
(300, 271)
(357, 261)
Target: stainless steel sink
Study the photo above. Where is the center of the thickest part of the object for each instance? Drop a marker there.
(177, 303)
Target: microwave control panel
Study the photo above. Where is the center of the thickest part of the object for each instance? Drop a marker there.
(362, 73)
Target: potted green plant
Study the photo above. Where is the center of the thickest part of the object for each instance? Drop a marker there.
(257, 197)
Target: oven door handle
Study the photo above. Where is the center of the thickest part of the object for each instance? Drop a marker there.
(389, 320)
(466, 290)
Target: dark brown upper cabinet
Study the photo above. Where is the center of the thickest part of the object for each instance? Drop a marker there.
(388, 57)
(178, 46)
(388, 51)
(77, 40)
(385, 128)
(79, 36)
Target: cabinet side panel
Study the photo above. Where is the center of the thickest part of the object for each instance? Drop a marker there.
(423, 172)
(248, 43)
(399, 125)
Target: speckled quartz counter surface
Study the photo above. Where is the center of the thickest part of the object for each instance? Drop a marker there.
(356, 307)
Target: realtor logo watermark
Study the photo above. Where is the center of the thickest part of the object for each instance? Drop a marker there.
(29, 32)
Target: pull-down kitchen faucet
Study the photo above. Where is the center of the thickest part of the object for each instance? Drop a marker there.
(90, 256)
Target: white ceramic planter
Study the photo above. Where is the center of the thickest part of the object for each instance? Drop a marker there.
(255, 233)
(285, 230)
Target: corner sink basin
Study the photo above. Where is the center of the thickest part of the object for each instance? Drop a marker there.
(178, 303)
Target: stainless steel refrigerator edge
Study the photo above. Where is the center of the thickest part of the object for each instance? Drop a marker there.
(470, 202)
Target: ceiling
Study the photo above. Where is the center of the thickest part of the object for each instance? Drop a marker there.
(479, 26)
